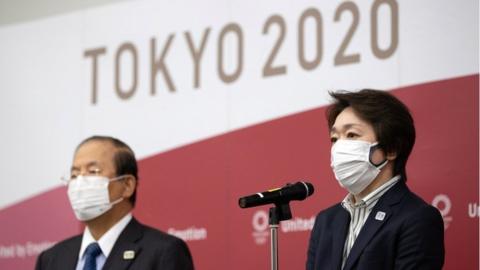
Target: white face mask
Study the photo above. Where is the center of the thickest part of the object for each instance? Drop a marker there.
(350, 162)
(89, 196)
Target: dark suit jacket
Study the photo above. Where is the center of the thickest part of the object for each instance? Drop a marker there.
(153, 250)
(410, 236)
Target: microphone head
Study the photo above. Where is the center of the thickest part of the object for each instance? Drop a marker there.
(242, 202)
(297, 191)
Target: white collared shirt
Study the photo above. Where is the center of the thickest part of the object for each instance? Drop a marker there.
(105, 242)
(359, 212)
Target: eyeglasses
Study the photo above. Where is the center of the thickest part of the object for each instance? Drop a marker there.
(73, 174)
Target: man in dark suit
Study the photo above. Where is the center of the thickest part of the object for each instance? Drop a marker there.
(102, 191)
(380, 224)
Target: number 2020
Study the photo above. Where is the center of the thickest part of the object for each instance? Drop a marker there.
(341, 57)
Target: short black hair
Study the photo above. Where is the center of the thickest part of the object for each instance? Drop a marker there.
(391, 120)
(123, 159)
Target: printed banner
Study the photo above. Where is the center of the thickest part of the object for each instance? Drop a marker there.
(221, 99)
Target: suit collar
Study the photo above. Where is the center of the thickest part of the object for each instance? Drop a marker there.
(126, 248)
(341, 222)
(70, 252)
(107, 240)
(380, 215)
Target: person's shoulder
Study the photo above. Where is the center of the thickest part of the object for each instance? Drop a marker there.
(170, 246)
(155, 235)
(332, 209)
(67, 245)
(415, 201)
(326, 219)
(171, 250)
(415, 206)
(330, 212)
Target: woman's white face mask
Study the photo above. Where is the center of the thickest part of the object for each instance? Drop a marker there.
(350, 162)
(89, 196)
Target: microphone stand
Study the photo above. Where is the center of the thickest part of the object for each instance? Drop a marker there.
(280, 212)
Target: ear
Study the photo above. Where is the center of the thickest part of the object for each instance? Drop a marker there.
(391, 156)
(130, 183)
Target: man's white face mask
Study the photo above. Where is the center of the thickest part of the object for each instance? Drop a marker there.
(350, 162)
(89, 196)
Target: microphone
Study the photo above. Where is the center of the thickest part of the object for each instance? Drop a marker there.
(298, 191)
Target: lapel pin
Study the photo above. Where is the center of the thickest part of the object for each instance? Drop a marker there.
(380, 215)
(128, 255)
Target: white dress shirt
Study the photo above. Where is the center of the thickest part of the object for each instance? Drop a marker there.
(105, 242)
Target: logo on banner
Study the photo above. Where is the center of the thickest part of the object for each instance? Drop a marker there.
(443, 203)
(260, 226)
(189, 234)
(298, 224)
(24, 250)
(473, 210)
